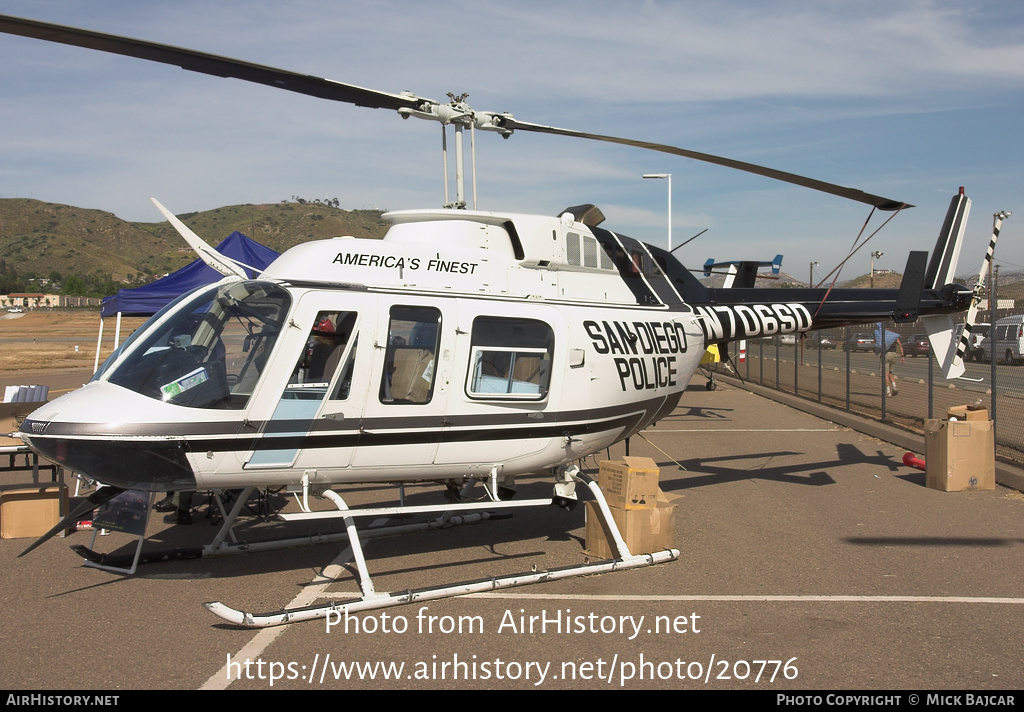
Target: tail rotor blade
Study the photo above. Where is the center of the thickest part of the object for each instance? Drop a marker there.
(972, 313)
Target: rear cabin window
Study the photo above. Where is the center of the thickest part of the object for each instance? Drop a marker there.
(409, 363)
(510, 359)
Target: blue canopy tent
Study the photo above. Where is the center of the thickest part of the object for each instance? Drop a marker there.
(151, 298)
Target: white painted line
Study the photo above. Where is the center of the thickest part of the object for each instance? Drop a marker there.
(253, 650)
(752, 598)
(712, 429)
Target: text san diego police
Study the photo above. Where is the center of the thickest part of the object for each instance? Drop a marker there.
(646, 350)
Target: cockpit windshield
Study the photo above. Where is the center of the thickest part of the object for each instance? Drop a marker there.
(210, 350)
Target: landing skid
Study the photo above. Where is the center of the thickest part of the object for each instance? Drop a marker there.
(387, 600)
(371, 599)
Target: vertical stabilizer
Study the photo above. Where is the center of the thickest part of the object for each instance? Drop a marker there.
(908, 301)
(942, 268)
(941, 271)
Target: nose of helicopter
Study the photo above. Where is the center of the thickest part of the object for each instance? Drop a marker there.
(86, 431)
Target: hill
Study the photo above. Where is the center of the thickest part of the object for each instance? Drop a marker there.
(43, 238)
(40, 238)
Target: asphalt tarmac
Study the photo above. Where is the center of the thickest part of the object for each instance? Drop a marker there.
(811, 559)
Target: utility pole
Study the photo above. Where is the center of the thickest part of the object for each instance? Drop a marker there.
(994, 305)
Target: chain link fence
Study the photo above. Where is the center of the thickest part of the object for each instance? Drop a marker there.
(842, 368)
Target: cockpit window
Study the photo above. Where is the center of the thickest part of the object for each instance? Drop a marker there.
(211, 350)
(127, 343)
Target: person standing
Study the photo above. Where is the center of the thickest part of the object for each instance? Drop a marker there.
(890, 364)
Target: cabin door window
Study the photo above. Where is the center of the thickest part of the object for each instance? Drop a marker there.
(410, 361)
(324, 366)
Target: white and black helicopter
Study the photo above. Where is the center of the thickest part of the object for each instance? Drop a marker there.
(465, 347)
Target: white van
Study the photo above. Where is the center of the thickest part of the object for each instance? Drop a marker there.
(978, 334)
(1009, 340)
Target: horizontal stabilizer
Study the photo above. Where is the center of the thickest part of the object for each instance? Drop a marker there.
(908, 301)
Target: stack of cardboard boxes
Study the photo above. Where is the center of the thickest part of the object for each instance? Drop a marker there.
(644, 515)
(960, 450)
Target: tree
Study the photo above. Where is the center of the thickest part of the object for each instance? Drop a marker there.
(74, 286)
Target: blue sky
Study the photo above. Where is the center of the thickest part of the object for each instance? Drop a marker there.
(908, 100)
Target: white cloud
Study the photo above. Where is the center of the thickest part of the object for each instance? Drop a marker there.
(907, 100)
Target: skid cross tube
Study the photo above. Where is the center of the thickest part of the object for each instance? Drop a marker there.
(372, 600)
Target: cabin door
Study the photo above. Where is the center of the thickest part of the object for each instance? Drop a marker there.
(407, 394)
(323, 363)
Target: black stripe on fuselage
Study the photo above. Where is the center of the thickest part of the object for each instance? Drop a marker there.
(370, 432)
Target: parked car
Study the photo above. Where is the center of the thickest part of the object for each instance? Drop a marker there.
(786, 339)
(861, 342)
(817, 339)
(978, 334)
(1009, 340)
(917, 346)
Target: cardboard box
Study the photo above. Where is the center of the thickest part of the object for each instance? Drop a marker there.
(30, 510)
(630, 483)
(414, 373)
(959, 455)
(644, 530)
(968, 412)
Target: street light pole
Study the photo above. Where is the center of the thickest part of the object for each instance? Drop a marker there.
(873, 256)
(669, 177)
(802, 339)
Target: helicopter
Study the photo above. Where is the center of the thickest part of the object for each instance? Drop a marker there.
(466, 348)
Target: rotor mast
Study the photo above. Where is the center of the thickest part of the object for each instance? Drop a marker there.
(458, 113)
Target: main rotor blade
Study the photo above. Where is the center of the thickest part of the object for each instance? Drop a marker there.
(211, 64)
(218, 66)
(849, 193)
